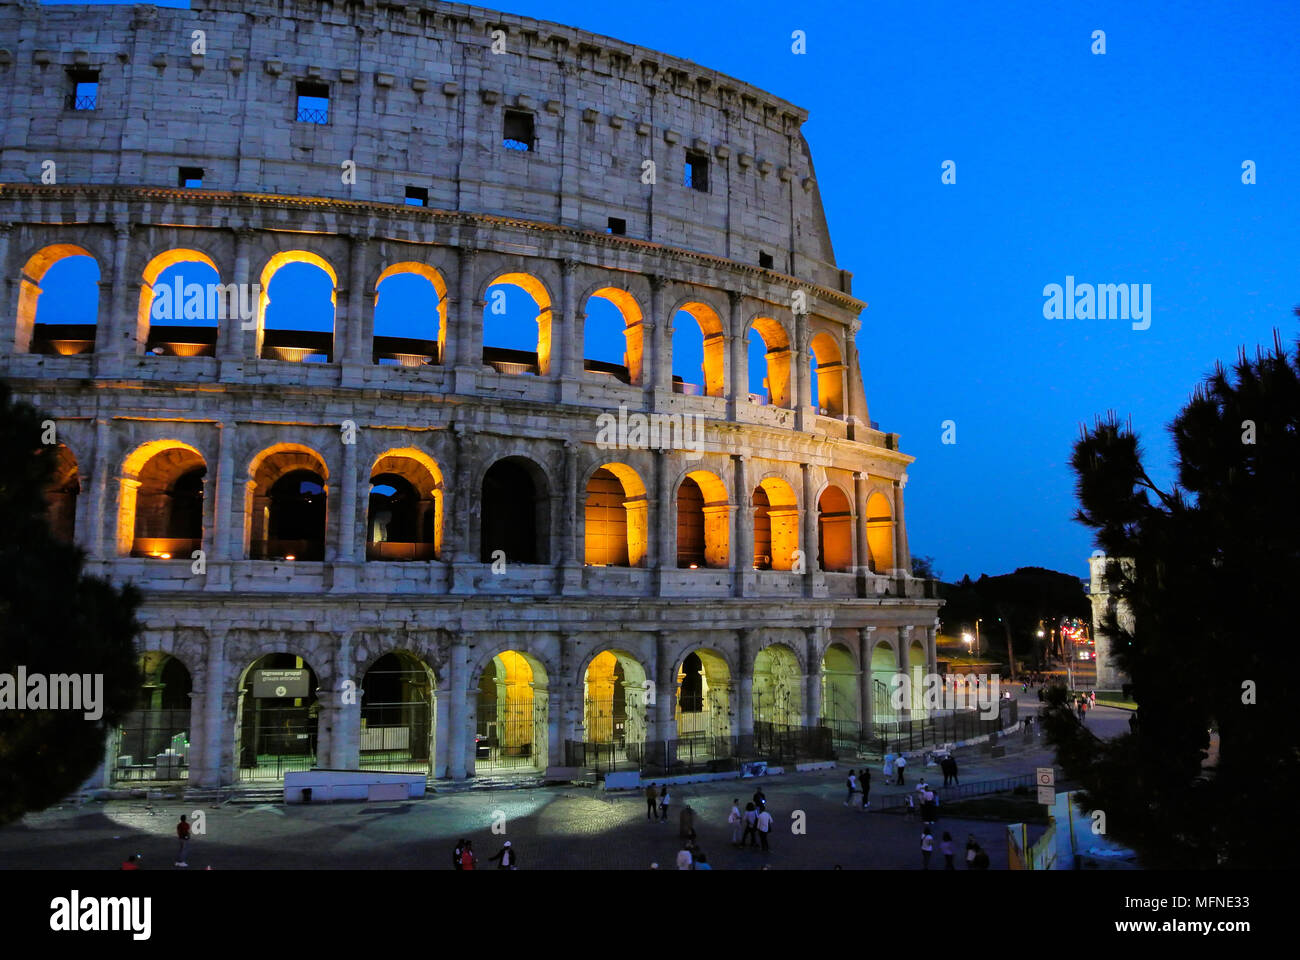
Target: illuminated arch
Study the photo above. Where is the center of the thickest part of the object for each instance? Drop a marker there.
(160, 501)
(515, 511)
(298, 345)
(713, 341)
(702, 698)
(772, 344)
(508, 360)
(834, 530)
(286, 502)
(614, 700)
(61, 494)
(615, 527)
(399, 710)
(405, 350)
(413, 531)
(149, 743)
(275, 734)
(775, 515)
(778, 688)
(29, 295)
(220, 301)
(633, 335)
(828, 374)
(840, 696)
(511, 713)
(883, 666)
(703, 521)
(880, 533)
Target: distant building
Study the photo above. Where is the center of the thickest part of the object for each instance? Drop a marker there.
(1104, 571)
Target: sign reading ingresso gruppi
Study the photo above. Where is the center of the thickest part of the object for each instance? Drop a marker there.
(280, 683)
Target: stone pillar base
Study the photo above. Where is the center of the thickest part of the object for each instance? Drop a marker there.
(219, 576)
(571, 580)
(466, 380)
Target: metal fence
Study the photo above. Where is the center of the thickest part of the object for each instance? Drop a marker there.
(964, 791)
(770, 743)
(152, 745)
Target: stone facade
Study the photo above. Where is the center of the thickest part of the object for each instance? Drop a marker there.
(1102, 572)
(417, 98)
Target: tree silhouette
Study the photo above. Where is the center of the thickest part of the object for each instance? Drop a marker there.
(53, 620)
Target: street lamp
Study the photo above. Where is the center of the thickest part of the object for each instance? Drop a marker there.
(977, 636)
(967, 638)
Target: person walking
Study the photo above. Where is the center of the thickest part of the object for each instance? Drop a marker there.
(901, 766)
(665, 799)
(760, 799)
(889, 767)
(1092, 699)
(737, 821)
(467, 856)
(927, 848)
(651, 802)
(945, 847)
(764, 827)
(865, 783)
(183, 836)
(853, 787)
(751, 826)
(455, 854)
(686, 823)
(506, 856)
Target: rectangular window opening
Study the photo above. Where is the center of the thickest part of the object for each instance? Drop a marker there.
(191, 177)
(519, 131)
(313, 102)
(697, 171)
(417, 196)
(765, 260)
(617, 226)
(85, 89)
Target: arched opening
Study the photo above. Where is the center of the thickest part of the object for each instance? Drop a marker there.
(884, 665)
(162, 501)
(615, 519)
(398, 714)
(703, 522)
(410, 316)
(834, 530)
(916, 671)
(614, 710)
(61, 495)
(515, 515)
(826, 367)
(512, 715)
(58, 302)
(404, 518)
(699, 349)
(880, 533)
(182, 302)
(517, 325)
(288, 505)
(839, 678)
(296, 313)
(778, 692)
(613, 335)
(153, 740)
(276, 718)
(776, 525)
(703, 701)
(769, 363)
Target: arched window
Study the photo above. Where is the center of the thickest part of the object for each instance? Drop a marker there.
(880, 533)
(404, 520)
(410, 316)
(834, 530)
(776, 525)
(287, 505)
(517, 325)
(826, 367)
(769, 362)
(515, 513)
(161, 509)
(615, 518)
(61, 495)
(297, 308)
(58, 302)
(698, 351)
(703, 521)
(613, 336)
(182, 301)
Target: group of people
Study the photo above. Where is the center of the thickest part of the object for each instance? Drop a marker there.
(976, 857)
(753, 825)
(895, 767)
(1083, 703)
(464, 858)
(927, 801)
(859, 784)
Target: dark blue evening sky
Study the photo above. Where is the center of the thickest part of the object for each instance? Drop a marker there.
(1120, 168)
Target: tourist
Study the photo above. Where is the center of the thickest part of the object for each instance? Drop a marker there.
(506, 856)
(751, 826)
(651, 802)
(684, 858)
(182, 835)
(911, 807)
(760, 799)
(664, 800)
(686, 823)
(866, 789)
(701, 861)
(853, 787)
(971, 849)
(901, 766)
(132, 862)
(764, 827)
(737, 821)
(945, 847)
(455, 854)
(927, 848)
(467, 856)
(889, 767)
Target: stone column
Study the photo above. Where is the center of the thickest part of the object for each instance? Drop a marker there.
(217, 718)
(100, 491)
(666, 518)
(346, 512)
(224, 520)
(659, 381)
(861, 548)
(346, 744)
(572, 554)
(350, 350)
(567, 347)
(855, 404)
(465, 341)
(738, 394)
(459, 739)
(744, 522)
(813, 676)
(116, 336)
(10, 279)
(808, 531)
(458, 514)
(235, 335)
(805, 416)
(902, 556)
(905, 667)
(866, 688)
(665, 689)
(747, 640)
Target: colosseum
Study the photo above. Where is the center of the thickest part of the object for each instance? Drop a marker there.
(594, 487)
